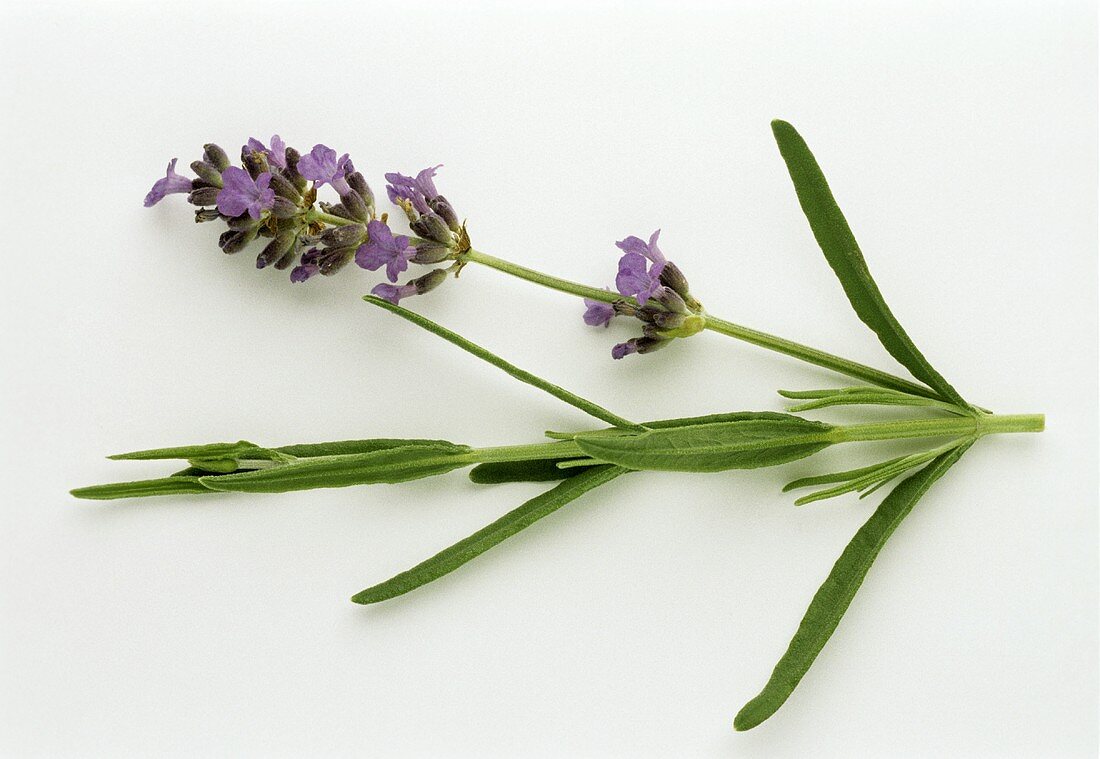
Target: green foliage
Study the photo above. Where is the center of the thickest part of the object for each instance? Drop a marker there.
(836, 593)
(747, 443)
(839, 245)
(387, 465)
(452, 558)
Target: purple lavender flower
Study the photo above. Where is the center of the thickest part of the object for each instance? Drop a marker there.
(598, 313)
(171, 183)
(241, 193)
(401, 187)
(302, 272)
(634, 279)
(276, 156)
(383, 249)
(394, 293)
(323, 167)
(624, 349)
(649, 250)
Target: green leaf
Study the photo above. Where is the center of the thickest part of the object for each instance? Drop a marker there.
(744, 444)
(512, 370)
(242, 449)
(246, 450)
(836, 593)
(842, 252)
(452, 558)
(141, 488)
(538, 470)
(388, 465)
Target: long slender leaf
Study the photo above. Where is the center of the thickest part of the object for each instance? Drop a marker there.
(141, 488)
(452, 558)
(744, 444)
(522, 375)
(389, 465)
(842, 252)
(835, 594)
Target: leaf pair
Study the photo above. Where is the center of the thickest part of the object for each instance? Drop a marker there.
(833, 598)
(253, 468)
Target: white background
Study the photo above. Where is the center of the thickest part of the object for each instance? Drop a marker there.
(961, 141)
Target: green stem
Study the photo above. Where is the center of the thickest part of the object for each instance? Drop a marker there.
(509, 368)
(721, 326)
(987, 424)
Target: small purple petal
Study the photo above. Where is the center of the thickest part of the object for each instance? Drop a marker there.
(393, 293)
(277, 155)
(598, 314)
(322, 167)
(636, 245)
(425, 184)
(383, 249)
(303, 272)
(240, 193)
(171, 183)
(624, 349)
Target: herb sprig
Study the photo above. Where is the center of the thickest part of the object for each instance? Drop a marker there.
(271, 196)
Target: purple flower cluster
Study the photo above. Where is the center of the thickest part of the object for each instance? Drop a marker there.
(655, 292)
(431, 216)
(269, 195)
(273, 194)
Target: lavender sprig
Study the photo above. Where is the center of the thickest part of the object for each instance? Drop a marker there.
(270, 195)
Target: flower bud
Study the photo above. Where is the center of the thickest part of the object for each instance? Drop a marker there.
(649, 344)
(671, 300)
(231, 241)
(338, 237)
(432, 226)
(284, 188)
(430, 252)
(672, 277)
(255, 163)
(242, 223)
(287, 259)
(334, 260)
(283, 208)
(429, 281)
(336, 209)
(446, 211)
(355, 205)
(668, 320)
(356, 181)
(204, 196)
(274, 251)
(207, 172)
(206, 214)
(215, 156)
(291, 171)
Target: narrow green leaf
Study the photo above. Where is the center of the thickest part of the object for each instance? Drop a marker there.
(843, 254)
(836, 593)
(512, 370)
(246, 450)
(242, 449)
(388, 465)
(851, 474)
(744, 444)
(340, 447)
(685, 421)
(452, 558)
(142, 488)
(538, 470)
